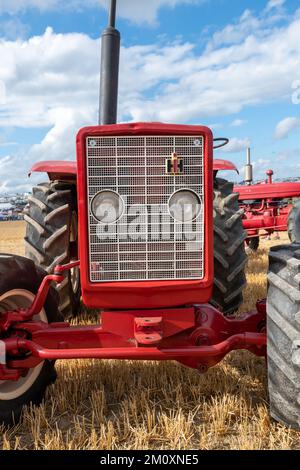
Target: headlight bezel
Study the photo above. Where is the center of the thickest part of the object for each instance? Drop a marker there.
(199, 204)
(120, 213)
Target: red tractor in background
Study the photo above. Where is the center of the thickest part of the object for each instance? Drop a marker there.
(268, 207)
(144, 230)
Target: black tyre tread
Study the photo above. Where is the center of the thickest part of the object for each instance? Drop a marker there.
(229, 251)
(17, 272)
(283, 311)
(294, 223)
(48, 220)
(254, 243)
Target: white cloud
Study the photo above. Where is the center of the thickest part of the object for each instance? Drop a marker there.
(235, 33)
(215, 126)
(274, 4)
(250, 25)
(52, 81)
(13, 28)
(286, 126)
(238, 122)
(45, 73)
(134, 10)
(237, 145)
(145, 11)
(14, 6)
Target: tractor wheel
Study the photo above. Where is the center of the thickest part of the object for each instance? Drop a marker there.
(19, 282)
(229, 250)
(52, 235)
(253, 243)
(283, 311)
(294, 223)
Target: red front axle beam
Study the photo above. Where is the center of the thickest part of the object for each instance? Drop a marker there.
(197, 336)
(240, 341)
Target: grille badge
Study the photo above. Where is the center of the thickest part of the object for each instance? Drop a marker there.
(174, 165)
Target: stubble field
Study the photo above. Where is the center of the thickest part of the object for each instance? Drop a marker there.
(148, 405)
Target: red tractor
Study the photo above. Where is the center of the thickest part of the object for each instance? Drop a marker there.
(160, 250)
(269, 207)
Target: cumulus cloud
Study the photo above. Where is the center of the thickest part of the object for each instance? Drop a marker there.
(235, 33)
(238, 123)
(134, 10)
(286, 126)
(274, 4)
(13, 28)
(14, 6)
(237, 145)
(145, 12)
(52, 81)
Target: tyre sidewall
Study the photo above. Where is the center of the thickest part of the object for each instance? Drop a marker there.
(23, 274)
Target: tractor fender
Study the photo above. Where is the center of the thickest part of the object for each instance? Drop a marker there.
(56, 170)
(219, 165)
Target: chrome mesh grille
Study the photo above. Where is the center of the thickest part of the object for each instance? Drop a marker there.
(146, 243)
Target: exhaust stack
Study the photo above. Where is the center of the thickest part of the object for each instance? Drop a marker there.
(109, 81)
(248, 169)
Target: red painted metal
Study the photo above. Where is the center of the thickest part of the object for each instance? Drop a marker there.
(246, 341)
(56, 169)
(270, 174)
(219, 165)
(265, 219)
(121, 323)
(266, 206)
(60, 269)
(268, 191)
(141, 294)
(9, 374)
(9, 318)
(141, 320)
(198, 336)
(148, 330)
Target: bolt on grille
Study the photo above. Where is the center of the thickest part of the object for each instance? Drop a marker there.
(146, 243)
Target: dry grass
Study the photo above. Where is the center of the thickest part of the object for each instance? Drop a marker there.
(124, 405)
(11, 237)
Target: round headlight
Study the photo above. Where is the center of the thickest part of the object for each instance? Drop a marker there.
(185, 205)
(107, 207)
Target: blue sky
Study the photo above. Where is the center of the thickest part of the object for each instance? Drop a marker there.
(228, 64)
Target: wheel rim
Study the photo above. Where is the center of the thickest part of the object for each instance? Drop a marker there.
(74, 272)
(19, 298)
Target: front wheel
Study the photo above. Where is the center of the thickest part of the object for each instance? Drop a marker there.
(52, 238)
(19, 282)
(229, 249)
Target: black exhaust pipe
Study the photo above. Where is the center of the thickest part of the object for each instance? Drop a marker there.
(109, 81)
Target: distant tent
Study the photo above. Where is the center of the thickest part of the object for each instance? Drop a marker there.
(6, 206)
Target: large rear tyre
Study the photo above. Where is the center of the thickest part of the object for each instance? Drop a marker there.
(52, 237)
(19, 282)
(283, 311)
(229, 250)
(294, 223)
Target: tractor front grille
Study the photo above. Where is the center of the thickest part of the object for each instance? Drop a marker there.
(146, 243)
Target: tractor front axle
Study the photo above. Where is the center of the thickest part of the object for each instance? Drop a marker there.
(198, 336)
